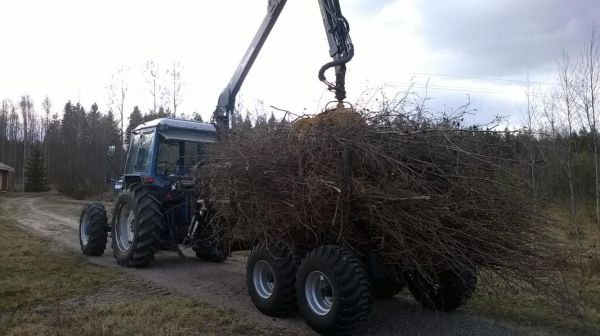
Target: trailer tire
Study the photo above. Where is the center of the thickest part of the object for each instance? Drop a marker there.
(135, 240)
(270, 277)
(93, 229)
(334, 291)
(446, 291)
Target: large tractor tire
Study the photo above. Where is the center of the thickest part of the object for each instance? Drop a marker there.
(210, 245)
(93, 229)
(270, 277)
(445, 291)
(137, 225)
(333, 291)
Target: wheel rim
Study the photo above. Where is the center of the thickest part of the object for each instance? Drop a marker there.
(318, 292)
(262, 277)
(125, 226)
(84, 229)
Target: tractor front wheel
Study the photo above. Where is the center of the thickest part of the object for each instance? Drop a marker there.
(93, 229)
(137, 225)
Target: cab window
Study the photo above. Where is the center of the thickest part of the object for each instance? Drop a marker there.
(178, 157)
(140, 153)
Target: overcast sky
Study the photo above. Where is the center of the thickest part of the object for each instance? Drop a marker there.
(69, 49)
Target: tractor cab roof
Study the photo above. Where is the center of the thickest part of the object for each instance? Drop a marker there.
(167, 123)
(179, 129)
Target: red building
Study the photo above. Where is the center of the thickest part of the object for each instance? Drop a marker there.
(4, 171)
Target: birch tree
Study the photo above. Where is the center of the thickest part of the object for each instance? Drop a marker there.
(566, 96)
(588, 90)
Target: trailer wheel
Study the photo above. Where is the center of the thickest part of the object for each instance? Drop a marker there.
(270, 277)
(93, 229)
(385, 288)
(446, 291)
(137, 224)
(333, 290)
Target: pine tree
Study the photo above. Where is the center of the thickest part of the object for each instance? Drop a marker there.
(198, 117)
(247, 122)
(271, 122)
(135, 119)
(37, 179)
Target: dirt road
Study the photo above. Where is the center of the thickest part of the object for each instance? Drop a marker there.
(223, 285)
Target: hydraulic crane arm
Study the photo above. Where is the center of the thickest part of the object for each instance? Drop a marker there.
(340, 49)
(226, 103)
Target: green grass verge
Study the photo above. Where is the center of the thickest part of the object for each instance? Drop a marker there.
(580, 284)
(48, 292)
(34, 273)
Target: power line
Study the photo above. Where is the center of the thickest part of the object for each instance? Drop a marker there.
(482, 78)
(455, 88)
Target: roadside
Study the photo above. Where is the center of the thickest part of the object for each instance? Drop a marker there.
(44, 291)
(223, 285)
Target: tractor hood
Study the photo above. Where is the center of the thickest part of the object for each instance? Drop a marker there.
(187, 135)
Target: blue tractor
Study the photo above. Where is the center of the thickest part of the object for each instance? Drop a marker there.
(157, 207)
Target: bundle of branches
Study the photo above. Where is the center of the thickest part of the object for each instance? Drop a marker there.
(421, 196)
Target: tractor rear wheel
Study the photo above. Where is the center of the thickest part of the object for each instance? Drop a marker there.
(270, 277)
(334, 291)
(137, 225)
(93, 229)
(445, 291)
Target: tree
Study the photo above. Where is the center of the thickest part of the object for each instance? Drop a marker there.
(198, 117)
(588, 91)
(117, 92)
(135, 119)
(152, 70)
(247, 121)
(261, 121)
(26, 105)
(236, 118)
(271, 122)
(46, 105)
(37, 176)
(175, 77)
(566, 96)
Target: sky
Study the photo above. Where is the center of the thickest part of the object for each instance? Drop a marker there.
(487, 50)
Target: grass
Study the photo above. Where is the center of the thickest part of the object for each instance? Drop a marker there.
(580, 314)
(44, 291)
(170, 315)
(33, 273)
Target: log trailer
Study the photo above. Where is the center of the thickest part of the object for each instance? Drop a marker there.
(157, 208)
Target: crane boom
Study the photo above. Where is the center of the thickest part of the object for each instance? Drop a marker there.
(341, 50)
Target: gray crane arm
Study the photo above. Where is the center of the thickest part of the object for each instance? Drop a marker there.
(341, 50)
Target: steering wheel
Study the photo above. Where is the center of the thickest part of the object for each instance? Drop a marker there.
(166, 167)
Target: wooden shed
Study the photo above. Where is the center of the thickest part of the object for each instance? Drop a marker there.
(4, 171)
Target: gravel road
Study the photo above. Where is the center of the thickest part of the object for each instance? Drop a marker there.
(223, 285)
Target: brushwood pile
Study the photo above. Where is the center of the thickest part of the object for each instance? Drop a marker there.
(420, 195)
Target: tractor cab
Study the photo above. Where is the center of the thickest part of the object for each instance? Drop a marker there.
(164, 151)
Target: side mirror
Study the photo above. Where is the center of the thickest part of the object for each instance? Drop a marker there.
(110, 151)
